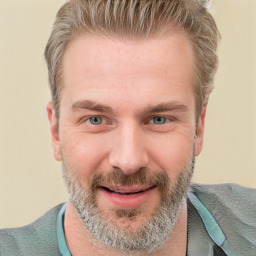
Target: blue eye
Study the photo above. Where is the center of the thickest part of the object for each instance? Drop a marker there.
(95, 120)
(159, 120)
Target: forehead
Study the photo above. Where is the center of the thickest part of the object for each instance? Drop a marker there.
(95, 66)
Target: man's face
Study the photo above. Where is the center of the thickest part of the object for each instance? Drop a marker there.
(126, 131)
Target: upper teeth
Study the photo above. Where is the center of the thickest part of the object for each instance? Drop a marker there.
(125, 192)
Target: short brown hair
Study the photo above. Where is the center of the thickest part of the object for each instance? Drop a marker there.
(136, 19)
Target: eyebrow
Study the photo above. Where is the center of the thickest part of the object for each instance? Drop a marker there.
(162, 107)
(91, 105)
(167, 106)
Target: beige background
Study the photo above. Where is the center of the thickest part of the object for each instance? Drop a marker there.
(30, 179)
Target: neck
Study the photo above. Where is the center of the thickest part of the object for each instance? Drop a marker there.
(82, 243)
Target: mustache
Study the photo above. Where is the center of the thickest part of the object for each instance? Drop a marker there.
(143, 177)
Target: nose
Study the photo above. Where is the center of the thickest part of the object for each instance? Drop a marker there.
(129, 152)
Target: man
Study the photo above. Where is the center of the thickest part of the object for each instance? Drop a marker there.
(130, 81)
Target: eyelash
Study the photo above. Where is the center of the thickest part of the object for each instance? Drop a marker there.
(87, 118)
(149, 120)
(168, 118)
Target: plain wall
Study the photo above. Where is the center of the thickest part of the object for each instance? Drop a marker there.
(30, 179)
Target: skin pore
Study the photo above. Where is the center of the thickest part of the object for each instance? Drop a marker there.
(126, 138)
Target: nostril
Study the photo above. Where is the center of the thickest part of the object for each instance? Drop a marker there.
(129, 167)
(129, 154)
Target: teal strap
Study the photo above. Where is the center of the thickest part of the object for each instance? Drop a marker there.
(210, 223)
(60, 232)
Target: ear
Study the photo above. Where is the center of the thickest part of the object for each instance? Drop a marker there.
(199, 136)
(54, 131)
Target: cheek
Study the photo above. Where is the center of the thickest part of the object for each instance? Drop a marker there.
(172, 153)
(82, 155)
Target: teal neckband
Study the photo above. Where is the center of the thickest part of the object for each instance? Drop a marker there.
(61, 234)
(211, 225)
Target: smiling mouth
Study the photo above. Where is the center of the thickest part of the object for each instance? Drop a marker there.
(127, 191)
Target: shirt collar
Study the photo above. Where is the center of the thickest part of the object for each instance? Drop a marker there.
(60, 232)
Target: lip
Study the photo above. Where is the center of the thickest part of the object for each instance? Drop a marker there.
(126, 189)
(126, 197)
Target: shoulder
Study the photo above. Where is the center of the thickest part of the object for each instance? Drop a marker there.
(231, 197)
(37, 238)
(230, 189)
(234, 208)
(228, 194)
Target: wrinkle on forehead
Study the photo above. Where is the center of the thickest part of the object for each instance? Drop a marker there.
(102, 56)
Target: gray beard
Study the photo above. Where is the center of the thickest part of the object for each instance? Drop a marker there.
(154, 233)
